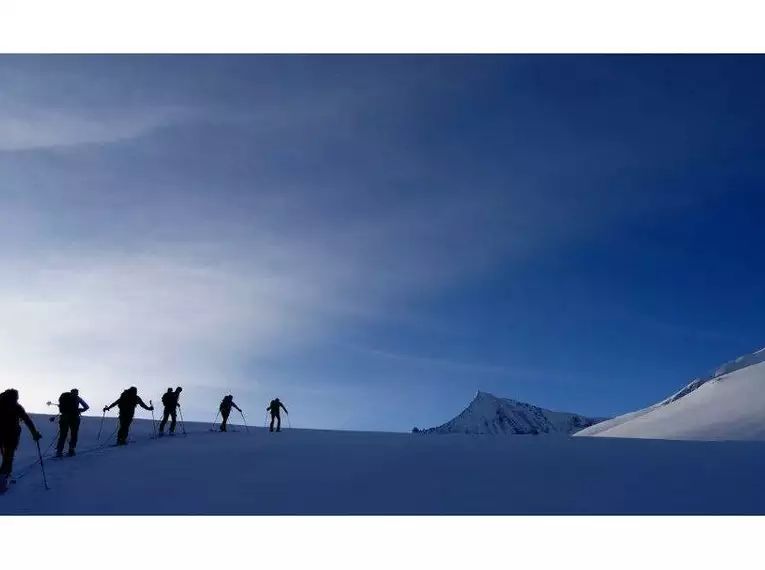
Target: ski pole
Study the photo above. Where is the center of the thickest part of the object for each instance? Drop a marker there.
(289, 423)
(108, 438)
(49, 403)
(215, 420)
(153, 424)
(52, 443)
(245, 421)
(98, 437)
(183, 424)
(39, 454)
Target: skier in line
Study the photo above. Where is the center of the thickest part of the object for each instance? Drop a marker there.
(127, 403)
(170, 403)
(225, 410)
(274, 408)
(69, 421)
(11, 413)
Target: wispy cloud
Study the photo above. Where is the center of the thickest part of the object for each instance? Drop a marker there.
(26, 127)
(446, 363)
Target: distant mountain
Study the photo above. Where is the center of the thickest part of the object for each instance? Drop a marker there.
(490, 415)
(727, 404)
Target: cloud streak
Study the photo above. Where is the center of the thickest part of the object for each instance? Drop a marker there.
(25, 128)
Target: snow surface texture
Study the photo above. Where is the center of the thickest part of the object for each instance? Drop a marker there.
(311, 472)
(728, 404)
(487, 414)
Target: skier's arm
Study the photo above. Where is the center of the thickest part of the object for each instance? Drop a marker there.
(84, 404)
(28, 421)
(144, 406)
(110, 406)
(285, 409)
(237, 407)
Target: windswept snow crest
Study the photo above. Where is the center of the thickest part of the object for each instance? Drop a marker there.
(490, 415)
(727, 404)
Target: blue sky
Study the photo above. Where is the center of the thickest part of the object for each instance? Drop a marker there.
(373, 239)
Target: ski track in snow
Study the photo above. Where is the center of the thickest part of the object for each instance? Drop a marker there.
(312, 472)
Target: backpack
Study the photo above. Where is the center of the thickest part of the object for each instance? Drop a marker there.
(67, 404)
(127, 401)
(167, 399)
(9, 411)
(6, 403)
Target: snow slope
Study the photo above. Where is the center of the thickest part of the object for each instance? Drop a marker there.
(315, 472)
(487, 414)
(728, 404)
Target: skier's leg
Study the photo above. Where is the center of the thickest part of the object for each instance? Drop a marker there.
(165, 415)
(127, 427)
(121, 429)
(271, 427)
(173, 420)
(63, 429)
(278, 422)
(74, 429)
(5, 468)
(9, 444)
(124, 428)
(224, 415)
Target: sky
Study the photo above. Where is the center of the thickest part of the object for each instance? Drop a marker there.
(373, 239)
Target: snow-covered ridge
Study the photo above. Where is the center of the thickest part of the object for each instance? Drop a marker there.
(727, 404)
(729, 367)
(488, 414)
